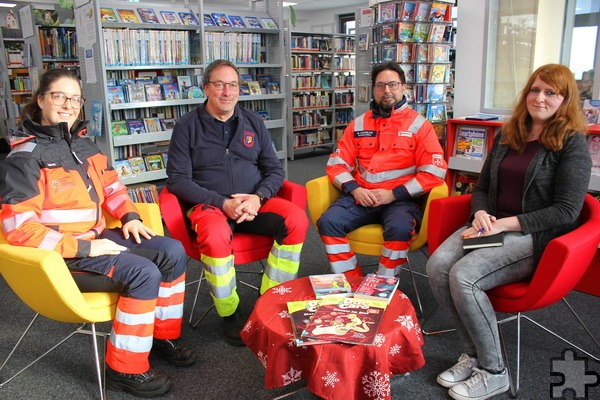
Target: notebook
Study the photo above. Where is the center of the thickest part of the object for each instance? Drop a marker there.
(496, 240)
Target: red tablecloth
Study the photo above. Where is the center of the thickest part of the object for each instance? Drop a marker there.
(333, 371)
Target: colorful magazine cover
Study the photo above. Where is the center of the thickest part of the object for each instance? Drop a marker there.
(237, 21)
(377, 287)
(328, 284)
(154, 162)
(128, 16)
(119, 128)
(171, 91)
(301, 313)
(152, 124)
(470, 142)
(253, 22)
(115, 94)
(167, 124)
(188, 18)
(170, 17)
(269, 23)
(153, 92)
(137, 165)
(135, 126)
(122, 167)
(208, 21)
(220, 19)
(108, 15)
(346, 320)
(148, 16)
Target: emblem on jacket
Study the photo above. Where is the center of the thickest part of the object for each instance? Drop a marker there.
(437, 159)
(249, 138)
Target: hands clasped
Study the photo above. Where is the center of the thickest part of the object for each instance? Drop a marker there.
(373, 197)
(242, 207)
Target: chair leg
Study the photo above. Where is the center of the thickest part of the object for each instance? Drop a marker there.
(426, 319)
(196, 297)
(414, 282)
(99, 373)
(514, 383)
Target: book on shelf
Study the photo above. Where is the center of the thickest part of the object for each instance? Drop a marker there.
(264, 115)
(122, 167)
(208, 20)
(470, 142)
(136, 92)
(346, 320)
(245, 78)
(435, 93)
(436, 112)
(387, 12)
(254, 87)
(363, 41)
(107, 14)
(421, 51)
(464, 183)
(170, 17)
(422, 11)
(387, 33)
(328, 284)
(263, 79)
(220, 19)
(152, 124)
(96, 117)
(439, 53)
(46, 17)
(115, 94)
(594, 150)
(438, 11)
(119, 128)
(137, 164)
(236, 21)
(479, 242)
(591, 111)
(421, 32)
(388, 52)
(154, 162)
(363, 93)
(167, 124)
(145, 79)
(479, 116)
(164, 79)
(148, 16)
(436, 33)
(437, 73)
(268, 23)
(144, 193)
(273, 88)
(153, 92)
(407, 13)
(253, 22)
(171, 91)
(193, 92)
(244, 89)
(127, 15)
(405, 31)
(409, 72)
(188, 18)
(136, 126)
(300, 313)
(423, 71)
(377, 287)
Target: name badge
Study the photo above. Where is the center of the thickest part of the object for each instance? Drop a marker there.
(405, 133)
(363, 134)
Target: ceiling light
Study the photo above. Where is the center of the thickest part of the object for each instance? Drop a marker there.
(8, 5)
(287, 4)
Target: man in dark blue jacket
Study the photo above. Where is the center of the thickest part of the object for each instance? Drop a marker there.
(222, 161)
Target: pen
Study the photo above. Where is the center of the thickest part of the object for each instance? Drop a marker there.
(481, 230)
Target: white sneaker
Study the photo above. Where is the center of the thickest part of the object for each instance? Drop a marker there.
(459, 373)
(481, 385)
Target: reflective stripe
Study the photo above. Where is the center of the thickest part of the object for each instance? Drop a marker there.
(217, 266)
(116, 201)
(135, 319)
(134, 344)
(339, 267)
(51, 240)
(416, 124)
(222, 291)
(337, 160)
(27, 146)
(283, 262)
(433, 170)
(385, 175)
(337, 248)
(342, 178)
(394, 254)
(290, 252)
(414, 187)
(220, 275)
(169, 291)
(359, 123)
(69, 216)
(18, 219)
(382, 270)
(169, 312)
(113, 187)
(278, 275)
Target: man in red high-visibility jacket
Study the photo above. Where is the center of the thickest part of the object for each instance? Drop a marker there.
(386, 159)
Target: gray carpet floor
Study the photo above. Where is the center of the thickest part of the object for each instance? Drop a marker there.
(226, 372)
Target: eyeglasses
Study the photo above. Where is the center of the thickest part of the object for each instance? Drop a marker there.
(59, 99)
(221, 85)
(393, 85)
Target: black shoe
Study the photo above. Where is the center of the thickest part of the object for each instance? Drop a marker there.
(173, 352)
(148, 384)
(232, 327)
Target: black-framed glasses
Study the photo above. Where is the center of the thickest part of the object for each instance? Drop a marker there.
(393, 85)
(221, 85)
(59, 99)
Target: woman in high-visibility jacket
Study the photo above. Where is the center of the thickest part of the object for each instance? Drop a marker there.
(54, 185)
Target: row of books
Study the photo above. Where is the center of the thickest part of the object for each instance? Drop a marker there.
(343, 98)
(320, 44)
(432, 111)
(312, 138)
(344, 116)
(344, 63)
(147, 16)
(339, 315)
(138, 47)
(310, 100)
(315, 81)
(140, 164)
(165, 111)
(241, 48)
(311, 119)
(255, 88)
(422, 53)
(58, 43)
(236, 21)
(420, 73)
(431, 93)
(141, 126)
(140, 92)
(301, 62)
(144, 193)
(411, 32)
(413, 11)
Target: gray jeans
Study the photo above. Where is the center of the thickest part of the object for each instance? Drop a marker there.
(459, 279)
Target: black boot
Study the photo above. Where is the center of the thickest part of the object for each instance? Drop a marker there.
(232, 327)
(148, 384)
(173, 352)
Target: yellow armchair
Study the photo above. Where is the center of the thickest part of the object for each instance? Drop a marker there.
(41, 279)
(368, 239)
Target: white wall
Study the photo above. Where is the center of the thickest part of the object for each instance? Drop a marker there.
(321, 21)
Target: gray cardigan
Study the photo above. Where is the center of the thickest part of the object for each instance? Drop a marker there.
(554, 189)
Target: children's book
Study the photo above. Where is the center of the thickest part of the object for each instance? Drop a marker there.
(170, 17)
(421, 32)
(254, 88)
(137, 165)
(388, 33)
(167, 124)
(346, 320)
(273, 88)
(439, 53)
(405, 31)
(164, 79)
(404, 53)
(193, 92)
(153, 92)
(269, 23)
(591, 111)
(244, 89)
(220, 19)
(154, 162)
(464, 183)
(236, 21)
(108, 15)
(387, 12)
(253, 22)
(263, 79)
(438, 11)
(188, 18)
(327, 284)
(423, 73)
(422, 50)
(209, 21)
(135, 126)
(435, 93)
(115, 94)
(470, 142)
(436, 112)
(300, 313)
(152, 124)
(363, 41)
(118, 128)
(128, 16)
(264, 115)
(437, 73)
(377, 287)
(246, 78)
(148, 16)
(594, 150)
(122, 167)
(184, 81)
(436, 33)
(422, 11)
(136, 92)
(171, 91)
(408, 11)
(388, 52)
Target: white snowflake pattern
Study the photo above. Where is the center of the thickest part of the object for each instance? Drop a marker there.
(330, 379)
(262, 357)
(395, 349)
(281, 290)
(248, 326)
(379, 340)
(376, 385)
(406, 321)
(284, 314)
(293, 375)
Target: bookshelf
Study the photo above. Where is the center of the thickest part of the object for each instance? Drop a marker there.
(14, 78)
(322, 82)
(150, 54)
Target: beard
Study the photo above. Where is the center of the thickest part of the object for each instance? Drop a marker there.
(387, 103)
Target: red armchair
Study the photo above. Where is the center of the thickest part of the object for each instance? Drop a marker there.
(563, 263)
(247, 248)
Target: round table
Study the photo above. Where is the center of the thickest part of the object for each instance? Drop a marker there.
(333, 371)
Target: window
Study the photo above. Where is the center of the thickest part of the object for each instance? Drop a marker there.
(583, 46)
(348, 24)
